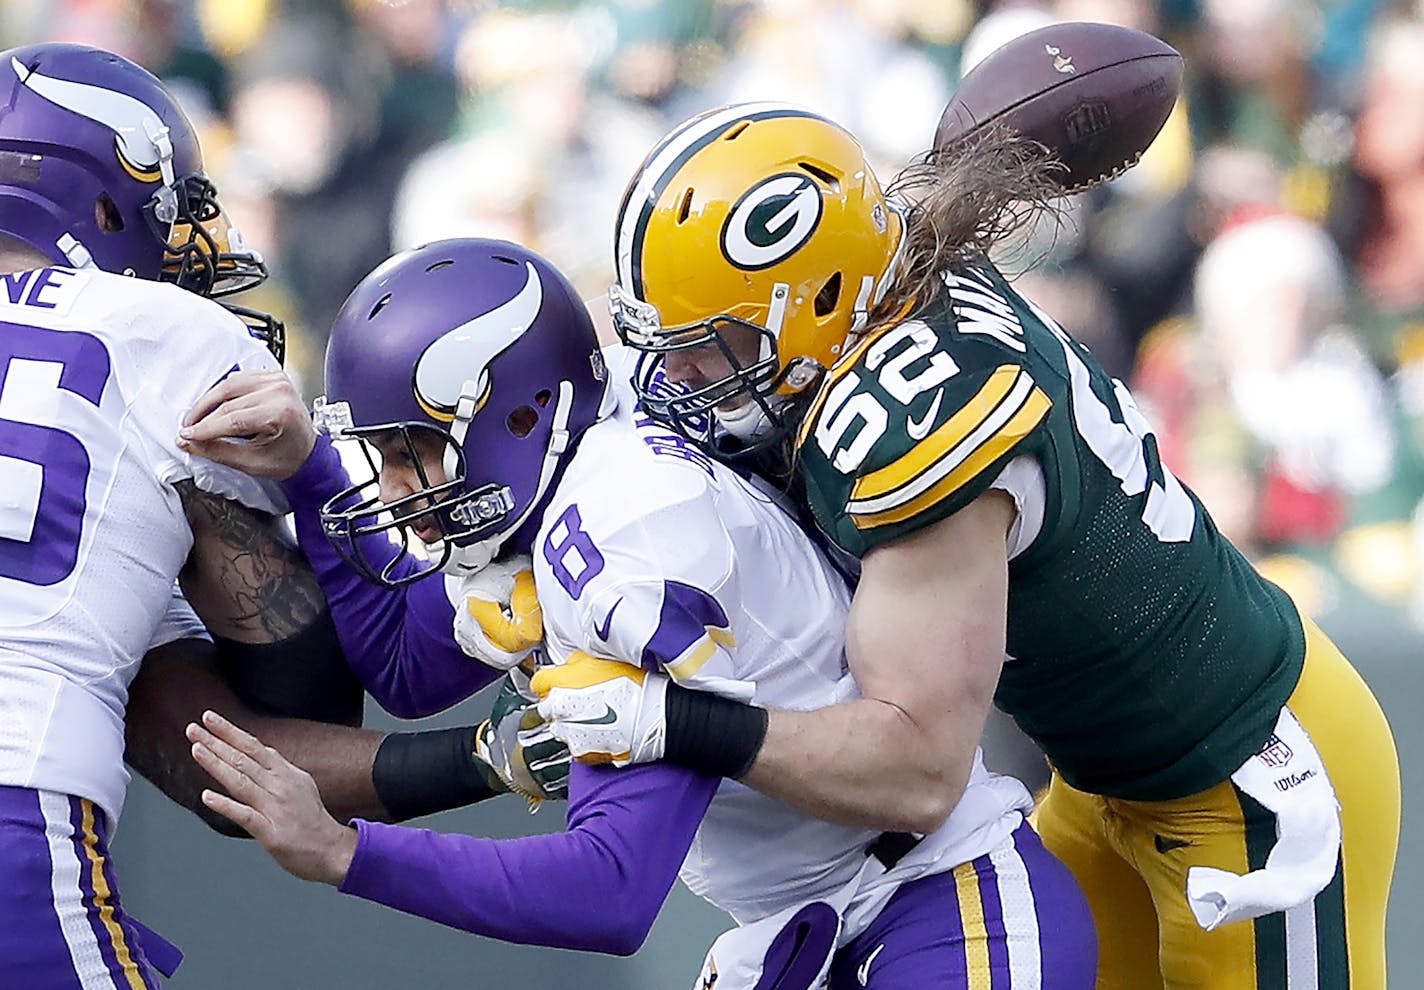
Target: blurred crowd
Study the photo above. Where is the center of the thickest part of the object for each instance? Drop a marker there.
(1258, 279)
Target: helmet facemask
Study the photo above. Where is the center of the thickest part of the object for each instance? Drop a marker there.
(205, 254)
(701, 413)
(464, 518)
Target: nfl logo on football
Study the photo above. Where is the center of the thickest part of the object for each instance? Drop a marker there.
(1276, 753)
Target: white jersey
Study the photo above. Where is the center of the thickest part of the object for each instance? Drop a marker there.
(653, 554)
(96, 373)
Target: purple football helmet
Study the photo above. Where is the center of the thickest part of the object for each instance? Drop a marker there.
(484, 345)
(100, 167)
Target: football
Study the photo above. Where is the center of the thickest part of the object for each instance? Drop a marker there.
(1095, 94)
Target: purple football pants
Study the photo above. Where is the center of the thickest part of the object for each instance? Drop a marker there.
(61, 925)
(1013, 919)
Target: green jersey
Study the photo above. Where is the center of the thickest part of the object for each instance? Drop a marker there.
(1145, 654)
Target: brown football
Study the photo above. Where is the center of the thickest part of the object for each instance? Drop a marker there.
(1095, 94)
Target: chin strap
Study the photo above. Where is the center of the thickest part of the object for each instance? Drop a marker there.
(462, 560)
(465, 560)
(166, 198)
(74, 252)
(776, 313)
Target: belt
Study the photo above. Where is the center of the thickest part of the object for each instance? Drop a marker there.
(891, 847)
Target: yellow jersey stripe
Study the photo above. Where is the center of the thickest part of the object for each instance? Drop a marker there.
(103, 898)
(976, 933)
(722, 637)
(949, 435)
(703, 650)
(693, 660)
(1028, 415)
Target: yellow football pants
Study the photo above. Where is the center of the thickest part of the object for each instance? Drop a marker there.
(1131, 858)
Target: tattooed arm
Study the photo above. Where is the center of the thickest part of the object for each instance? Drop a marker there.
(276, 667)
(246, 582)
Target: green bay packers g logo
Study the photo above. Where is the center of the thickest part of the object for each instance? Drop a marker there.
(771, 221)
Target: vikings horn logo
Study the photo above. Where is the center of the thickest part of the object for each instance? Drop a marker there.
(134, 123)
(465, 353)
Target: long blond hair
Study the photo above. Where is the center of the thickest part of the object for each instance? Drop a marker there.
(963, 199)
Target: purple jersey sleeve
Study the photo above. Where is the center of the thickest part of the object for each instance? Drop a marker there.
(597, 886)
(399, 641)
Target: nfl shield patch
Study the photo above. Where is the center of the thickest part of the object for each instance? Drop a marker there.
(1276, 753)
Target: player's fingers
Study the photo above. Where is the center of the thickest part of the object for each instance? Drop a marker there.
(229, 453)
(210, 400)
(559, 731)
(236, 780)
(242, 741)
(243, 417)
(236, 384)
(238, 813)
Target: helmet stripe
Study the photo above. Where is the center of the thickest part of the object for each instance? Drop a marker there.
(662, 167)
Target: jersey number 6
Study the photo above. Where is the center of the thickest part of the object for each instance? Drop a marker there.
(44, 470)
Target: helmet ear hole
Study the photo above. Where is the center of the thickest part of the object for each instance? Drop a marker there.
(106, 214)
(542, 397)
(521, 421)
(829, 296)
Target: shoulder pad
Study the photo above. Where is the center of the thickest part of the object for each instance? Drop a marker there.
(915, 424)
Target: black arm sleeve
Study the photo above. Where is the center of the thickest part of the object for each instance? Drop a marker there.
(420, 773)
(304, 676)
(712, 734)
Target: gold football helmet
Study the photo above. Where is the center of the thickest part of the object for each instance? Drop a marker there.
(760, 216)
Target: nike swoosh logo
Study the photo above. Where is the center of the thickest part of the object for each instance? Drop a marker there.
(1165, 845)
(601, 629)
(608, 717)
(465, 352)
(919, 429)
(863, 972)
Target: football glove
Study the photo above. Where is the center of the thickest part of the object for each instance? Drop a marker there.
(498, 620)
(604, 710)
(519, 747)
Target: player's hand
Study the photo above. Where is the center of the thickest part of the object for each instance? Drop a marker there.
(498, 620)
(604, 710)
(518, 746)
(276, 802)
(253, 421)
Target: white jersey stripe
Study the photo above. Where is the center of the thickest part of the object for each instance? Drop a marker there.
(1003, 412)
(1020, 914)
(1302, 965)
(64, 857)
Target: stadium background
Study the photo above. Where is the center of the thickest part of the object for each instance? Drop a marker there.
(1259, 280)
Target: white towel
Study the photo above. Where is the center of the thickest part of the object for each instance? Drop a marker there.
(1288, 778)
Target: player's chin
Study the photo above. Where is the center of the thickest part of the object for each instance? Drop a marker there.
(734, 404)
(425, 530)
